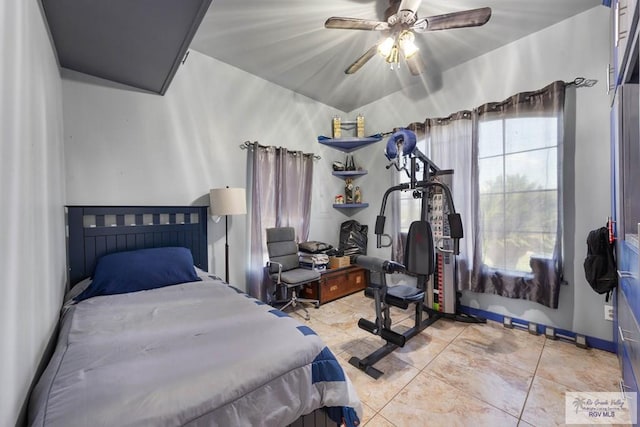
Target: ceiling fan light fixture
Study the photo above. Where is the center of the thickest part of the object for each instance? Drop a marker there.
(393, 56)
(401, 22)
(407, 43)
(385, 47)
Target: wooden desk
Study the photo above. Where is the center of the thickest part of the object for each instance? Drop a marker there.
(336, 283)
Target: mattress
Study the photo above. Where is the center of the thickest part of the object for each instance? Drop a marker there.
(193, 354)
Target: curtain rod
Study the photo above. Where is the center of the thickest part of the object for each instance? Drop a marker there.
(249, 145)
(581, 82)
(577, 82)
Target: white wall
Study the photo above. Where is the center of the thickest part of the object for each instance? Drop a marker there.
(32, 241)
(127, 147)
(575, 47)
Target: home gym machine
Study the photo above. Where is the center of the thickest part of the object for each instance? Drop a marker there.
(431, 246)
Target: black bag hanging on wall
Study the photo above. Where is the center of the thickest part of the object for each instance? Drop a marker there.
(600, 264)
(353, 238)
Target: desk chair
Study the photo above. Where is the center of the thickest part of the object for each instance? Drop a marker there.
(284, 268)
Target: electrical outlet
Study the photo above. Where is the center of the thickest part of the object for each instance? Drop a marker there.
(608, 312)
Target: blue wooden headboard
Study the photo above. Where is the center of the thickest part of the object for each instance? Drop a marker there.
(98, 230)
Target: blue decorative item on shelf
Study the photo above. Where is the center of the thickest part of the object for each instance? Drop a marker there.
(400, 143)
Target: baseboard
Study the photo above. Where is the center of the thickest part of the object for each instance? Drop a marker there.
(593, 342)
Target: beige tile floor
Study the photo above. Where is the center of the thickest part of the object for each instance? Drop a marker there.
(456, 374)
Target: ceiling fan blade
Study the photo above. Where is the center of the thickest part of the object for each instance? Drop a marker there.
(416, 65)
(362, 60)
(467, 18)
(355, 24)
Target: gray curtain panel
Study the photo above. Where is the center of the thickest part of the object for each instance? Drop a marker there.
(280, 186)
(507, 186)
(449, 146)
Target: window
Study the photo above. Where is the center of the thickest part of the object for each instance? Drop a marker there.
(518, 190)
(507, 186)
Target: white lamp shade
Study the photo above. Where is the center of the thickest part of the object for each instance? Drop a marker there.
(227, 201)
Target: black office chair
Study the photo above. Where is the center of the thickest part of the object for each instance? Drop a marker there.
(284, 268)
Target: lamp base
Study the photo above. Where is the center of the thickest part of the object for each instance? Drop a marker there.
(226, 248)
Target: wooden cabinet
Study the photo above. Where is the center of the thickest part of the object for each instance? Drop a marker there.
(624, 25)
(628, 338)
(624, 22)
(334, 284)
(625, 206)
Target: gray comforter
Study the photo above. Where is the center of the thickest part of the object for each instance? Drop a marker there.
(194, 354)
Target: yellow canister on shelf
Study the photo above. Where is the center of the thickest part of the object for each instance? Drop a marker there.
(337, 129)
(360, 126)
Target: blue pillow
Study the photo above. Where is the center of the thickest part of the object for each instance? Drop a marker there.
(133, 271)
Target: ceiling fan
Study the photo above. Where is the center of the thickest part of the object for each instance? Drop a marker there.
(401, 23)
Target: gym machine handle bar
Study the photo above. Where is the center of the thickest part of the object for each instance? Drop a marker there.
(455, 222)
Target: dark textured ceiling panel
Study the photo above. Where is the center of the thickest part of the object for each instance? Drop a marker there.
(139, 43)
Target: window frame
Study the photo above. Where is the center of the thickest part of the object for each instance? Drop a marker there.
(503, 155)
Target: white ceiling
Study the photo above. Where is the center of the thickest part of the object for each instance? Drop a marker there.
(285, 42)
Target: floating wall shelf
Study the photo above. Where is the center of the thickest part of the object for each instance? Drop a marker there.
(347, 145)
(347, 174)
(350, 205)
(350, 143)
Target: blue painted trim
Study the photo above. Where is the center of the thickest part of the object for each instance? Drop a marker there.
(593, 342)
(306, 330)
(278, 313)
(481, 313)
(601, 344)
(606, 3)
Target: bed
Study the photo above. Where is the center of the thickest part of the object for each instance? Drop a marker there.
(190, 351)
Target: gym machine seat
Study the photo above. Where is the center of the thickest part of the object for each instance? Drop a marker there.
(419, 261)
